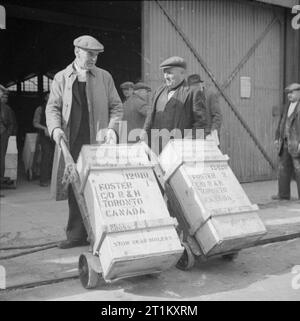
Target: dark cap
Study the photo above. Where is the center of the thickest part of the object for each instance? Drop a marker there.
(194, 79)
(141, 85)
(173, 62)
(88, 43)
(292, 87)
(127, 85)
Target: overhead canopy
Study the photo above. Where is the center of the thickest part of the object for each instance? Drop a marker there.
(39, 36)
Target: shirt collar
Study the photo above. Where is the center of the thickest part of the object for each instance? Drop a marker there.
(71, 69)
(175, 88)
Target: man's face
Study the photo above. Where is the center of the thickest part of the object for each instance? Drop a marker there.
(173, 76)
(86, 59)
(294, 96)
(127, 92)
(142, 93)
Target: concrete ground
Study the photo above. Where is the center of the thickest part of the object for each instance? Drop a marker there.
(29, 216)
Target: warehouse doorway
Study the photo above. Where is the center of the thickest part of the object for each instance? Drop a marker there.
(38, 42)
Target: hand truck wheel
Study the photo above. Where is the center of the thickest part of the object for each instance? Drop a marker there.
(187, 259)
(88, 277)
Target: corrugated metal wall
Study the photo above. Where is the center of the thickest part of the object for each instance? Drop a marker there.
(223, 32)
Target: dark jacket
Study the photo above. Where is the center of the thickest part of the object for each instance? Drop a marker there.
(7, 120)
(190, 113)
(293, 135)
(214, 115)
(135, 111)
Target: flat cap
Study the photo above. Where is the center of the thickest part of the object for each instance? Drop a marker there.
(292, 87)
(173, 62)
(88, 43)
(141, 85)
(127, 85)
(194, 79)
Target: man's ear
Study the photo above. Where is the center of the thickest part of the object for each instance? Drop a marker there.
(76, 51)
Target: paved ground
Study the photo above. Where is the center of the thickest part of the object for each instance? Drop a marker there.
(29, 216)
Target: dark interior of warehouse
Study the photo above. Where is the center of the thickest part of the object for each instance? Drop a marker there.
(38, 42)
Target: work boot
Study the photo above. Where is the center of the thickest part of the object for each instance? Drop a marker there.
(278, 198)
(67, 244)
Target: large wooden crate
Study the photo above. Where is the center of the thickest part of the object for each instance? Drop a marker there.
(215, 207)
(11, 159)
(133, 232)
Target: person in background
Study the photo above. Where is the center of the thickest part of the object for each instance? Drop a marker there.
(83, 108)
(127, 90)
(214, 115)
(8, 128)
(287, 142)
(47, 145)
(136, 108)
(177, 109)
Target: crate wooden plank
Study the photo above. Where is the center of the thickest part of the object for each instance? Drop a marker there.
(11, 159)
(127, 212)
(214, 206)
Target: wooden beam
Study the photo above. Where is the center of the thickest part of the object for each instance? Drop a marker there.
(27, 13)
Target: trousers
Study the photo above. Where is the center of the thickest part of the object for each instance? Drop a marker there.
(288, 166)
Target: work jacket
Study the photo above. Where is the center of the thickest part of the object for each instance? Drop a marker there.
(104, 105)
(191, 110)
(293, 134)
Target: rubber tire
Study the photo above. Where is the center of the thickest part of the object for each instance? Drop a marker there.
(187, 260)
(88, 277)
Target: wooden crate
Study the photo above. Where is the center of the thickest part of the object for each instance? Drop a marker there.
(217, 210)
(132, 229)
(11, 159)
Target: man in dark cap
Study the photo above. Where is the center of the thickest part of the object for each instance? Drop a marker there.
(127, 89)
(8, 127)
(83, 107)
(176, 108)
(287, 142)
(214, 115)
(136, 108)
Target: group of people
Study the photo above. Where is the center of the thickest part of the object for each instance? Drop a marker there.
(84, 107)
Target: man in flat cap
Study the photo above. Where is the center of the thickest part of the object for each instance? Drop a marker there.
(8, 127)
(136, 108)
(83, 107)
(176, 107)
(127, 89)
(287, 141)
(214, 115)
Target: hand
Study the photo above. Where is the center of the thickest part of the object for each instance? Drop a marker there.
(107, 136)
(111, 137)
(46, 132)
(143, 136)
(58, 134)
